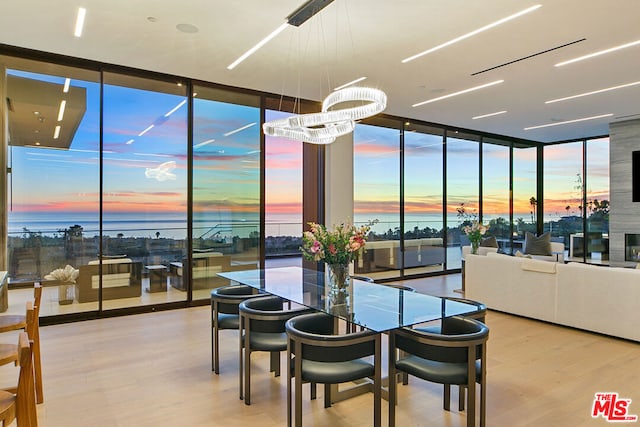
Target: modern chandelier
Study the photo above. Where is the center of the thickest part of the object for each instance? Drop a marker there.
(326, 126)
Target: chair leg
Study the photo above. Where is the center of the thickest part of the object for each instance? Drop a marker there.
(446, 400)
(327, 395)
(247, 375)
(392, 381)
(37, 367)
(314, 391)
(214, 348)
(240, 361)
(462, 391)
(275, 363)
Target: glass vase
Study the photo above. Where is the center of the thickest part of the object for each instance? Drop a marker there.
(338, 292)
(66, 293)
(474, 247)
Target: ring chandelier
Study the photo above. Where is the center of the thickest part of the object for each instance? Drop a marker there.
(326, 126)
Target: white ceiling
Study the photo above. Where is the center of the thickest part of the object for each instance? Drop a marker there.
(353, 38)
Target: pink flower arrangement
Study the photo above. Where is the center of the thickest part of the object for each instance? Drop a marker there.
(342, 245)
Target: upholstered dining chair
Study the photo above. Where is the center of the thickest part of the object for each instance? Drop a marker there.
(21, 403)
(14, 322)
(224, 314)
(319, 356)
(455, 357)
(262, 328)
(479, 314)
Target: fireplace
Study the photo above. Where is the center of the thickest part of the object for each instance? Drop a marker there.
(632, 247)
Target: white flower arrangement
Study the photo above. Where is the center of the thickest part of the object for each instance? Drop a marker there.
(65, 275)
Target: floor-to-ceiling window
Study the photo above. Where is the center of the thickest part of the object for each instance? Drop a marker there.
(495, 190)
(597, 196)
(53, 185)
(283, 197)
(144, 199)
(462, 181)
(226, 186)
(376, 192)
(525, 203)
(423, 199)
(563, 195)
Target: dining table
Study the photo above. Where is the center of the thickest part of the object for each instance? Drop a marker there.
(374, 306)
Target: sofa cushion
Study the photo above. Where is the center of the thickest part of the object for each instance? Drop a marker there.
(540, 245)
(538, 266)
(489, 242)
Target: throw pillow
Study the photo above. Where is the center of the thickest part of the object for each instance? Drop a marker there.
(521, 255)
(489, 242)
(540, 245)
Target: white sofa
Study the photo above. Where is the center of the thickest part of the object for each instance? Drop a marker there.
(589, 297)
(121, 278)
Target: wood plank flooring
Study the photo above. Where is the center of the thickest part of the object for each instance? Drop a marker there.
(155, 370)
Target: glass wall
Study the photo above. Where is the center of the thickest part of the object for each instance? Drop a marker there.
(423, 199)
(496, 163)
(226, 186)
(525, 203)
(144, 199)
(597, 196)
(463, 186)
(376, 193)
(54, 184)
(283, 197)
(563, 195)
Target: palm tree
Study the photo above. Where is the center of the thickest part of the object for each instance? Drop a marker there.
(534, 204)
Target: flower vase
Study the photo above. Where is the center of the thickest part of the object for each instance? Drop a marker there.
(338, 292)
(474, 247)
(66, 293)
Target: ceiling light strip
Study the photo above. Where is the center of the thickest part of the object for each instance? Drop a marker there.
(473, 33)
(67, 82)
(471, 89)
(352, 82)
(203, 143)
(56, 132)
(80, 21)
(593, 92)
(239, 129)
(146, 130)
(174, 109)
(63, 104)
(569, 121)
(497, 113)
(601, 52)
(257, 46)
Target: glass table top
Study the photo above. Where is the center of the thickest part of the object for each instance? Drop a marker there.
(374, 306)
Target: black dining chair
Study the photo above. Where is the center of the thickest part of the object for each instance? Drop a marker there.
(262, 328)
(456, 357)
(224, 314)
(479, 313)
(320, 356)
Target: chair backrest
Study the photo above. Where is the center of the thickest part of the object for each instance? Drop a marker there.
(25, 395)
(37, 298)
(452, 347)
(228, 298)
(269, 313)
(315, 332)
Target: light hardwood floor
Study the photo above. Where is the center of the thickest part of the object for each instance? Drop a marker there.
(155, 370)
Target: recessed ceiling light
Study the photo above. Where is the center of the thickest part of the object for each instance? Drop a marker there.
(258, 46)
(473, 33)
(352, 82)
(63, 104)
(80, 21)
(187, 28)
(239, 129)
(489, 115)
(471, 89)
(569, 121)
(601, 52)
(593, 92)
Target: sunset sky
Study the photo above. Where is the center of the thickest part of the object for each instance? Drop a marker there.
(145, 164)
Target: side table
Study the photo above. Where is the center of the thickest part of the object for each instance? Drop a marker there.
(157, 278)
